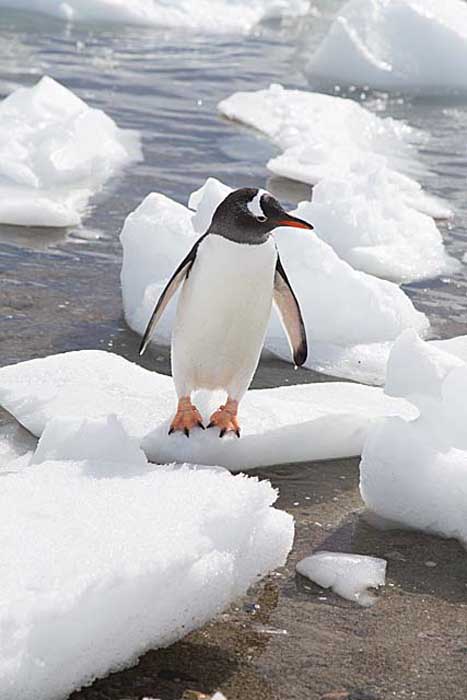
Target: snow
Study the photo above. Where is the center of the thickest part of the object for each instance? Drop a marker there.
(413, 472)
(104, 558)
(322, 136)
(282, 425)
(401, 45)
(350, 316)
(349, 575)
(218, 16)
(55, 153)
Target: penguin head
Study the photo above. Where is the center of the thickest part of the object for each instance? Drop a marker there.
(249, 215)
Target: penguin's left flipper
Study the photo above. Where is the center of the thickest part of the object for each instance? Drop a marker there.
(180, 274)
(291, 316)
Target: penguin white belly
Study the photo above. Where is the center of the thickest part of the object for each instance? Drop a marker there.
(222, 315)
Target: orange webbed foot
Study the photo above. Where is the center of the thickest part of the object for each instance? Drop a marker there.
(186, 418)
(225, 418)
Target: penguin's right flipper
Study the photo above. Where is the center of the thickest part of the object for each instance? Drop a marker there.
(289, 311)
(173, 284)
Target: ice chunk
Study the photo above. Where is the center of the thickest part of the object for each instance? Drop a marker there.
(206, 15)
(414, 472)
(99, 440)
(396, 45)
(361, 206)
(55, 153)
(331, 124)
(456, 346)
(205, 201)
(363, 215)
(100, 566)
(416, 370)
(322, 136)
(86, 384)
(350, 316)
(287, 424)
(349, 575)
(16, 447)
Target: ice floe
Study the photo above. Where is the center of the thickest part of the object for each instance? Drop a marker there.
(55, 153)
(375, 217)
(414, 472)
(363, 216)
(323, 136)
(326, 131)
(286, 424)
(351, 317)
(396, 45)
(349, 575)
(104, 556)
(204, 15)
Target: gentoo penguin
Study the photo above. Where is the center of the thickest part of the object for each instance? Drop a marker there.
(229, 280)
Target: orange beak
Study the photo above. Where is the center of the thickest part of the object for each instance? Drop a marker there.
(294, 223)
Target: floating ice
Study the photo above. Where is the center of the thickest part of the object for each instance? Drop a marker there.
(363, 216)
(396, 45)
(374, 217)
(350, 317)
(287, 424)
(322, 136)
(204, 15)
(104, 558)
(55, 153)
(414, 473)
(349, 575)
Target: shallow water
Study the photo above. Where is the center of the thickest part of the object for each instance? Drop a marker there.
(60, 289)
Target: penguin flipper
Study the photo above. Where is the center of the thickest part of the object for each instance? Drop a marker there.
(291, 316)
(173, 284)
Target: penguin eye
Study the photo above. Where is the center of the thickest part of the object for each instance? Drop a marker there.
(261, 219)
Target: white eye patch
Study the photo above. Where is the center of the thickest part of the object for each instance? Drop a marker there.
(254, 206)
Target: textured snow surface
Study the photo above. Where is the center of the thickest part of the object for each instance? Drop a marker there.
(396, 45)
(349, 575)
(322, 136)
(203, 15)
(414, 472)
(55, 153)
(350, 316)
(287, 424)
(104, 556)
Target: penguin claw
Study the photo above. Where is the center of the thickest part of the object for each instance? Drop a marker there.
(186, 418)
(226, 421)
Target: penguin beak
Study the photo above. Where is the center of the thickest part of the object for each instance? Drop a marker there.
(293, 222)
